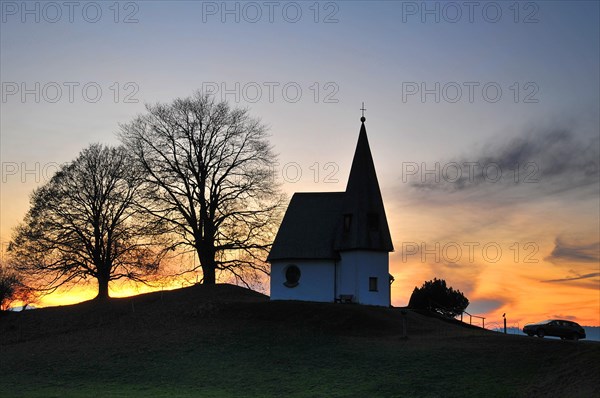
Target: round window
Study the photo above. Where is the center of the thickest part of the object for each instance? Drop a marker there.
(292, 276)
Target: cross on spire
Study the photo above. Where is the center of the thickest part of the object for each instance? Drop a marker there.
(363, 109)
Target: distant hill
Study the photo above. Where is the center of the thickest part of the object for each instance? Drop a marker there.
(223, 340)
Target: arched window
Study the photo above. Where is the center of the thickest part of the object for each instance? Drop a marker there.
(292, 276)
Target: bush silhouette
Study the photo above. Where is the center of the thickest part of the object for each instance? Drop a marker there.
(12, 289)
(436, 296)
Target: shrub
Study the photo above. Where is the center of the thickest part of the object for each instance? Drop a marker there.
(435, 296)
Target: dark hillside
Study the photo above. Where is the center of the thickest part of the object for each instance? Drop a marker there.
(220, 302)
(224, 340)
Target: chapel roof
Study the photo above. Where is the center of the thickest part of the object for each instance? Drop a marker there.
(307, 229)
(320, 225)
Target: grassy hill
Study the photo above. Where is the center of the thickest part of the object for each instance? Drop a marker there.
(221, 341)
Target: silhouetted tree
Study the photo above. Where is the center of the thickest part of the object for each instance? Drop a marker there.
(210, 174)
(434, 295)
(83, 223)
(12, 288)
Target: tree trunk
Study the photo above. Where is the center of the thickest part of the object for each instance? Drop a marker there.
(209, 266)
(102, 288)
(209, 274)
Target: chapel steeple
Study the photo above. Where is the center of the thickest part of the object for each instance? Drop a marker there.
(334, 246)
(364, 223)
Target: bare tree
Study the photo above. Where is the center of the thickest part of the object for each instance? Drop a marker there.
(210, 174)
(12, 288)
(83, 223)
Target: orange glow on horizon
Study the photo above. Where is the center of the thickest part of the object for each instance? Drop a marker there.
(516, 288)
(529, 301)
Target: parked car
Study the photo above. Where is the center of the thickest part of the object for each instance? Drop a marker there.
(557, 328)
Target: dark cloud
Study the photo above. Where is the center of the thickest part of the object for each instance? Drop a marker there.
(574, 252)
(562, 316)
(590, 280)
(550, 162)
(574, 278)
(484, 306)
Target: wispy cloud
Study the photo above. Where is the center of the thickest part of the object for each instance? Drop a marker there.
(574, 278)
(562, 316)
(486, 305)
(574, 252)
(589, 280)
(541, 162)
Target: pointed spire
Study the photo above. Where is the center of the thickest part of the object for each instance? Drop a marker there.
(365, 224)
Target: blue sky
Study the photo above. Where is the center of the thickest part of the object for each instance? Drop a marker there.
(368, 54)
(372, 51)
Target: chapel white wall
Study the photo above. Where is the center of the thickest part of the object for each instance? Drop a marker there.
(354, 270)
(316, 281)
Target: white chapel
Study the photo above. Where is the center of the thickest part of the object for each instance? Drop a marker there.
(334, 246)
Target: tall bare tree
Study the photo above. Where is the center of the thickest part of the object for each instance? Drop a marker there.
(210, 174)
(83, 223)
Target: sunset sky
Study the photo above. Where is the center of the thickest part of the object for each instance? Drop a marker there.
(483, 121)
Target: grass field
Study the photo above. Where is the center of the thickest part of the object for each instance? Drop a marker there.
(224, 341)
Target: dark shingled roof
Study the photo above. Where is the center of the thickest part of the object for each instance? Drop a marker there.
(314, 225)
(307, 229)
